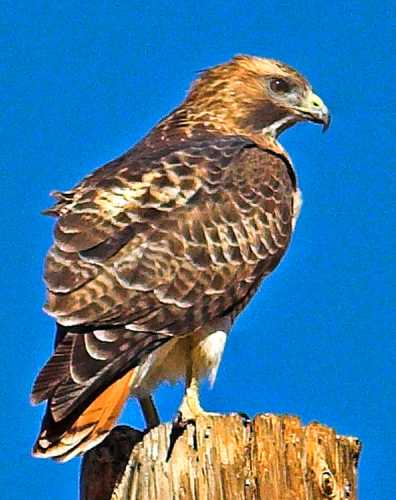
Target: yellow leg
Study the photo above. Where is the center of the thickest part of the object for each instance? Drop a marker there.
(203, 351)
(190, 407)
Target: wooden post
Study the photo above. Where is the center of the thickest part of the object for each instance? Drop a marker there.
(223, 458)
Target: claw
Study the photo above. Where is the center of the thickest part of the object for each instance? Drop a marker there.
(245, 417)
(179, 422)
(179, 425)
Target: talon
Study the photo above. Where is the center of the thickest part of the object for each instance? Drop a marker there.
(245, 417)
(181, 423)
(178, 418)
(189, 411)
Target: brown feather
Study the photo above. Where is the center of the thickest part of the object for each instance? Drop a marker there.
(176, 233)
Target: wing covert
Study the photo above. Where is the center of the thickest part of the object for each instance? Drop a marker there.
(184, 244)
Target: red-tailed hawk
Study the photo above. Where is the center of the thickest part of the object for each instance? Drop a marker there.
(157, 252)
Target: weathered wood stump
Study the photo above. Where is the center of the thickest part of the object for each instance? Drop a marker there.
(223, 458)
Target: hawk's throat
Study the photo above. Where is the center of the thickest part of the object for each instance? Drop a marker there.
(279, 126)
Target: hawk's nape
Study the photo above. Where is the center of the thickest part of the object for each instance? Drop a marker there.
(157, 252)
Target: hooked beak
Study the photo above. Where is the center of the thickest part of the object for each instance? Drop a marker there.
(312, 108)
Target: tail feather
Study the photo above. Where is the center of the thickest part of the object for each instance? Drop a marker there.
(87, 391)
(90, 428)
(54, 371)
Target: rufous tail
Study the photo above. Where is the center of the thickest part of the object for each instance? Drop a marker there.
(91, 427)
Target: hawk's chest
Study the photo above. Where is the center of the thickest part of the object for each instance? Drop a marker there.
(267, 210)
(267, 204)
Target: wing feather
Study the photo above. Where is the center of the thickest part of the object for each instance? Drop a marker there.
(174, 243)
(152, 246)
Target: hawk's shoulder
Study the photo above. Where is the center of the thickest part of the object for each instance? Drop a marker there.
(128, 196)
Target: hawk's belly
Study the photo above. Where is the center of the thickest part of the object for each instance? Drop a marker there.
(170, 362)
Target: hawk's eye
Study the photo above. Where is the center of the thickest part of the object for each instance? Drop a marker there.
(279, 86)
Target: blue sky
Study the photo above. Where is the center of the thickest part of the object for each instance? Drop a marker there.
(82, 81)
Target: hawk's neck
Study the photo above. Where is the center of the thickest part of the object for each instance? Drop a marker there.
(178, 128)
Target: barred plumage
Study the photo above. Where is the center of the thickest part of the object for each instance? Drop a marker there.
(164, 246)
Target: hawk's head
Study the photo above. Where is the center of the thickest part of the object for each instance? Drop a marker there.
(254, 95)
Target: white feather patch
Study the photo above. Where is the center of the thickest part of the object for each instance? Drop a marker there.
(213, 347)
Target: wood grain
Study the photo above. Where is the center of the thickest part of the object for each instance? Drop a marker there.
(224, 458)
